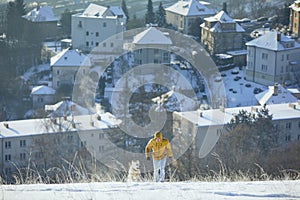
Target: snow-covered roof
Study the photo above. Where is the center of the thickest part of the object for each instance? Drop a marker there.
(41, 14)
(271, 41)
(219, 117)
(42, 90)
(94, 10)
(295, 6)
(190, 8)
(222, 18)
(29, 127)
(66, 108)
(283, 96)
(152, 36)
(70, 57)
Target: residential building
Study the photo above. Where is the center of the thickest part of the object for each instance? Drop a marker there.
(184, 13)
(44, 144)
(151, 46)
(295, 18)
(276, 94)
(206, 126)
(65, 66)
(42, 21)
(96, 24)
(42, 95)
(220, 34)
(273, 58)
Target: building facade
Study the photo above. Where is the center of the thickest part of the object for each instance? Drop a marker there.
(65, 66)
(42, 95)
(184, 13)
(220, 34)
(273, 58)
(295, 18)
(97, 23)
(150, 46)
(206, 126)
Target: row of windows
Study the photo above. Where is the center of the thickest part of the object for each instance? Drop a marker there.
(7, 144)
(97, 44)
(104, 24)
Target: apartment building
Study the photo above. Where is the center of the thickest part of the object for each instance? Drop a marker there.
(184, 13)
(97, 23)
(273, 58)
(206, 126)
(53, 142)
(295, 18)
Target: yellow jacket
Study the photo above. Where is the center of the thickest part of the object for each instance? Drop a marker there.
(160, 149)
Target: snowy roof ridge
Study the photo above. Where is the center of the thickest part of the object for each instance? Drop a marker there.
(70, 57)
(151, 36)
(270, 41)
(41, 14)
(190, 8)
(42, 90)
(94, 10)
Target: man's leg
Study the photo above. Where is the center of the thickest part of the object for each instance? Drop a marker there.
(156, 166)
(162, 169)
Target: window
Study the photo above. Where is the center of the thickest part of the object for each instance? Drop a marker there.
(58, 83)
(22, 156)
(8, 170)
(22, 143)
(166, 56)
(264, 68)
(87, 44)
(101, 148)
(101, 136)
(288, 125)
(104, 24)
(97, 44)
(87, 33)
(80, 24)
(264, 56)
(288, 138)
(70, 138)
(97, 34)
(7, 157)
(104, 44)
(83, 143)
(298, 137)
(111, 44)
(7, 144)
(282, 57)
(287, 68)
(57, 72)
(298, 124)
(287, 56)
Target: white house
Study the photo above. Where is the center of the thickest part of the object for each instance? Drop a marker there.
(150, 45)
(96, 24)
(42, 95)
(183, 14)
(65, 65)
(273, 58)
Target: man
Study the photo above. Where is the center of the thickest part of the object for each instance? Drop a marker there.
(160, 149)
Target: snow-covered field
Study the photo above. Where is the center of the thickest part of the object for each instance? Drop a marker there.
(266, 190)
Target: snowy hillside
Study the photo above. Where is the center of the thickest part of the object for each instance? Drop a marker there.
(149, 190)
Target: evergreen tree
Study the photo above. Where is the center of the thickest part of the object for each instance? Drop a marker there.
(15, 11)
(124, 8)
(65, 21)
(161, 16)
(150, 16)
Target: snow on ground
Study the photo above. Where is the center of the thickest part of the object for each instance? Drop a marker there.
(239, 92)
(289, 190)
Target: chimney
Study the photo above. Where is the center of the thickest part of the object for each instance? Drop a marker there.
(224, 7)
(278, 37)
(6, 125)
(275, 93)
(293, 106)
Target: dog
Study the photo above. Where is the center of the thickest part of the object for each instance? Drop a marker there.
(134, 172)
